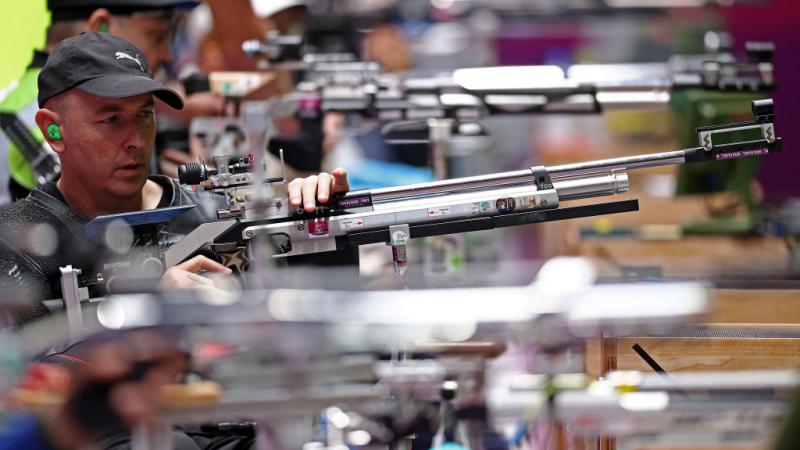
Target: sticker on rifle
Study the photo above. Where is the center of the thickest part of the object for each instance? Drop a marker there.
(528, 202)
(505, 205)
(486, 206)
(317, 228)
(742, 154)
(440, 211)
(476, 208)
(352, 224)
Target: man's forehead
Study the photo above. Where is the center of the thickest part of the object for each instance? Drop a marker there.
(96, 102)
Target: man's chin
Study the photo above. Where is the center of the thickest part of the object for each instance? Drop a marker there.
(129, 186)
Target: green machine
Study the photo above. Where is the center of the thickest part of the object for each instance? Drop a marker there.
(696, 109)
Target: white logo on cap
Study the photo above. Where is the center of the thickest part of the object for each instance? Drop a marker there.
(121, 55)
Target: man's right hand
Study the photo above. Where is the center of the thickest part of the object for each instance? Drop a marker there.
(307, 192)
(185, 276)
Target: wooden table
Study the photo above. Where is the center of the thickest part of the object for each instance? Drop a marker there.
(747, 330)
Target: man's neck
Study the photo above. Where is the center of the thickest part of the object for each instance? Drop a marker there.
(91, 205)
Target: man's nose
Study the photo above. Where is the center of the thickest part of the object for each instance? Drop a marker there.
(135, 139)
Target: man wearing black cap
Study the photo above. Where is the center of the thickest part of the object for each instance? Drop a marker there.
(97, 102)
(112, 106)
(146, 23)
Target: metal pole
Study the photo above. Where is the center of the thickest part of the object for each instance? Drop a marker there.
(70, 291)
(623, 163)
(439, 137)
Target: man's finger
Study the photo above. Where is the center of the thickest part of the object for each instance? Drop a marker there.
(310, 193)
(199, 279)
(340, 182)
(200, 262)
(323, 187)
(295, 189)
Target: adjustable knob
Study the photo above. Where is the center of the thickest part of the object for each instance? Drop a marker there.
(193, 173)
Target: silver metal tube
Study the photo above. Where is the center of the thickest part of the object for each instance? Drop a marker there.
(623, 163)
(562, 172)
(440, 134)
(453, 185)
(609, 184)
(568, 189)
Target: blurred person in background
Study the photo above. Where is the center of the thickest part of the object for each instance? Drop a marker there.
(300, 139)
(150, 25)
(112, 388)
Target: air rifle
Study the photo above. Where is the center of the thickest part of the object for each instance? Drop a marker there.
(411, 107)
(337, 82)
(395, 215)
(583, 88)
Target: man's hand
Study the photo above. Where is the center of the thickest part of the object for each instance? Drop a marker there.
(306, 192)
(184, 276)
(388, 46)
(117, 388)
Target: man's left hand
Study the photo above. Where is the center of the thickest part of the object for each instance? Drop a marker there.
(306, 192)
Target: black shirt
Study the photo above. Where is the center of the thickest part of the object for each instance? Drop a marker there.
(31, 277)
(30, 260)
(51, 188)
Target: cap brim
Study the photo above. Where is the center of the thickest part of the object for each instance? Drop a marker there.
(120, 86)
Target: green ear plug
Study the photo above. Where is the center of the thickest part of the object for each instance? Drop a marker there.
(54, 132)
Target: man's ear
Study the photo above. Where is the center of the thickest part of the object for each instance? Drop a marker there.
(100, 20)
(45, 120)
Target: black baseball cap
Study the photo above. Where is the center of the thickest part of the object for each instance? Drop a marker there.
(82, 9)
(102, 65)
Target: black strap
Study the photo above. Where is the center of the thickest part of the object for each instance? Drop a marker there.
(43, 164)
(19, 134)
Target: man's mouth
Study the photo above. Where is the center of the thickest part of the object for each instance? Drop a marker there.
(130, 167)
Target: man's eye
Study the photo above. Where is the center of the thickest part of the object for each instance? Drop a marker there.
(109, 120)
